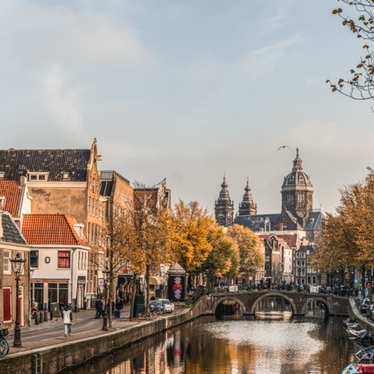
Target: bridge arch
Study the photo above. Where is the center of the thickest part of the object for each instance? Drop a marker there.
(319, 299)
(274, 294)
(220, 300)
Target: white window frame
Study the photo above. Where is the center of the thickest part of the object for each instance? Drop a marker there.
(9, 271)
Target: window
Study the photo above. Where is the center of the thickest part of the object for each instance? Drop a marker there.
(2, 174)
(38, 176)
(6, 262)
(66, 176)
(39, 294)
(34, 259)
(63, 259)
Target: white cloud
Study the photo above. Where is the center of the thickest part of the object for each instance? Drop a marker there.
(67, 35)
(264, 59)
(62, 102)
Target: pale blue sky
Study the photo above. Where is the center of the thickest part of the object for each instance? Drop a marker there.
(187, 90)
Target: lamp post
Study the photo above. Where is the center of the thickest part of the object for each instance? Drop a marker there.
(17, 267)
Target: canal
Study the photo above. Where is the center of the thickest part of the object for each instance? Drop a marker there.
(234, 347)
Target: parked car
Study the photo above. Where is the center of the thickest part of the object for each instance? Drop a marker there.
(167, 305)
(155, 306)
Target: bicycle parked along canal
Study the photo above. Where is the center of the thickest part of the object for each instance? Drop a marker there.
(4, 346)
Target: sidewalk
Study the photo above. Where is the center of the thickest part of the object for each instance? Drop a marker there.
(52, 332)
(84, 326)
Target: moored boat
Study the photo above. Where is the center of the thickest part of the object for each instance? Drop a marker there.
(359, 369)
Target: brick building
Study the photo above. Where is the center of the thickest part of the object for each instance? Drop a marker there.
(58, 259)
(11, 243)
(63, 181)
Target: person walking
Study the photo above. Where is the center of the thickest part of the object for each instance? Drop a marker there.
(99, 308)
(68, 320)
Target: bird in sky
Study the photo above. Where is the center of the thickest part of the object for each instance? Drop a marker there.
(283, 147)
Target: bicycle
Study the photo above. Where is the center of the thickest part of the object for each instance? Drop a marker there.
(4, 346)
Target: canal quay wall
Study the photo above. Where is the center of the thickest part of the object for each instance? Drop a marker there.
(363, 321)
(53, 359)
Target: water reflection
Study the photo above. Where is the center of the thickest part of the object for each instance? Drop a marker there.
(234, 347)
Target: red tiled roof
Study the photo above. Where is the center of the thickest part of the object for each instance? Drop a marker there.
(50, 229)
(12, 193)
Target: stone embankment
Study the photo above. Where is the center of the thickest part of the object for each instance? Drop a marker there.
(364, 322)
(52, 359)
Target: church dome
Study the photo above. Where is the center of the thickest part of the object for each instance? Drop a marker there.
(297, 179)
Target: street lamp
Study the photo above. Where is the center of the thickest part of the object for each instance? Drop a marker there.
(17, 267)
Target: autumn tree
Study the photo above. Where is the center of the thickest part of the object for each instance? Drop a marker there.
(347, 238)
(191, 225)
(249, 249)
(358, 17)
(223, 257)
(152, 238)
(119, 241)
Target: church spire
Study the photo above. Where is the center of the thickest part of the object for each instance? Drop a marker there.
(297, 162)
(224, 206)
(247, 207)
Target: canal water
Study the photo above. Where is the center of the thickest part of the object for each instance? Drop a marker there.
(235, 347)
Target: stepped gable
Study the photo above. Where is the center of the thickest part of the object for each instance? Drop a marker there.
(16, 162)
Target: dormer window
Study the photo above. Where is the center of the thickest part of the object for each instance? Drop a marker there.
(66, 176)
(37, 176)
(2, 174)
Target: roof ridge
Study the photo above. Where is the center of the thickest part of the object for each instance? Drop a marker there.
(44, 214)
(44, 149)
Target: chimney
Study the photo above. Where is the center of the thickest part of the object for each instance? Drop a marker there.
(2, 203)
(79, 229)
(22, 180)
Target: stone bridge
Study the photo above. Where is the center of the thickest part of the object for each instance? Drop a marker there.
(334, 305)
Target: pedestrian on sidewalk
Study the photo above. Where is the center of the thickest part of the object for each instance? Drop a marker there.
(68, 320)
(99, 308)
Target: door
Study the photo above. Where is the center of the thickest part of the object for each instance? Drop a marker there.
(7, 305)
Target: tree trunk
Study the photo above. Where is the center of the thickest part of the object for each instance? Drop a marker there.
(132, 297)
(147, 276)
(110, 300)
(105, 311)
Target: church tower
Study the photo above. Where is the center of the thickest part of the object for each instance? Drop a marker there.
(224, 206)
(247, 207)
(297, 195)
